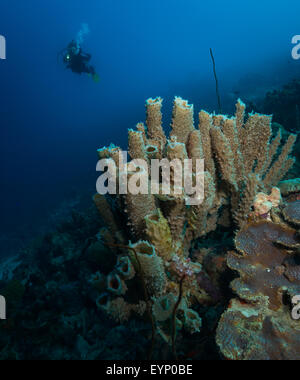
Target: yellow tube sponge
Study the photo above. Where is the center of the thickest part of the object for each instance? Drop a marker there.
(205, 125)
(163, 306)
(255, 142)
(183, 120)
(225, 157)
(177, 153)
(241, 203)
(107, 214)
(218, 120)
(159, 234)
(112, 152)
(138, 206)
(197, 215)
(195, 148)
(240, 115)
(125, 268)
(230, 131)
(176, 150)
(282, 165)
(154, 121)
(175, 211)
(136, 145)
(239, 161)
(152, 267)
(140, 127)
(98, 281)
(194, 145)
(152, 152)
(115, 284)
(103, 301)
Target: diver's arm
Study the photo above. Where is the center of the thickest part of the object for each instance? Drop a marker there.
(86, 57)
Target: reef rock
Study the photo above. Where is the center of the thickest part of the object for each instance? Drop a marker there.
(258, 325)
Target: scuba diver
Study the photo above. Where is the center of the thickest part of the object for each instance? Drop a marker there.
(77, 61)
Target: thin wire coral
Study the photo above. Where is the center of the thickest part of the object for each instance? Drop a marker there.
(174, 323)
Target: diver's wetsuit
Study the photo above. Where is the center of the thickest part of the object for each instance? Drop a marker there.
(78, 63)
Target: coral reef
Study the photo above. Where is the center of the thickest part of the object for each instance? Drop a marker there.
(52, 306)
(154, 268)
(284, 104)
(241, 159)
(258, 324)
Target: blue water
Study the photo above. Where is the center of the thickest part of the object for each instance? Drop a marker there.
(52, 121)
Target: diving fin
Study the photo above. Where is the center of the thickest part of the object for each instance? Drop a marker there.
(96, 78)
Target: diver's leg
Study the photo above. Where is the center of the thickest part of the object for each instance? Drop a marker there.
(89, 70)
(92, 70)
